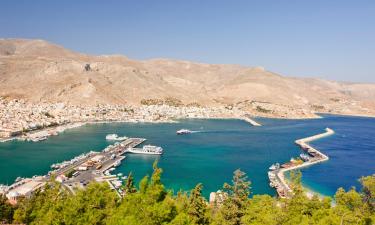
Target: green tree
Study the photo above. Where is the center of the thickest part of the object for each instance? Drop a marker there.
(151, 205)
(129, 185)
(6, 210)
(234, 206)
(40, 207)
(262, 210)
(368, 190)
(351, 199)
(197, 206)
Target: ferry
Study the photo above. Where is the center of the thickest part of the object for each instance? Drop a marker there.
(115, 137)
(147, 149)
(183, 131)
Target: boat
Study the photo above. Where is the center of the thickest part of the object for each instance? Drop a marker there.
(304, 157)
(147, 149)
(275, 166)
(117, 163)
(183, 131)
(115, 137)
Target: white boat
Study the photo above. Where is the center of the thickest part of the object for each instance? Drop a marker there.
(117, 163)
(115, 137)
(183, 131)
(147, 149)
(304, 157)
(275, 166)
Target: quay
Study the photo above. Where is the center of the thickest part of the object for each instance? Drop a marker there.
(78, 172)
(277, 176)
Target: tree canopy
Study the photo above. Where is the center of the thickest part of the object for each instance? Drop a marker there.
(152, 204)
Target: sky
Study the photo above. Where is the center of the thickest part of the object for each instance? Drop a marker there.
(330, 39)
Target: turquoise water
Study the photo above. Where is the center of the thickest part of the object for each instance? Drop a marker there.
(210, 155)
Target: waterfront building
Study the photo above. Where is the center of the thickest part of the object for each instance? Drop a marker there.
(24, 188)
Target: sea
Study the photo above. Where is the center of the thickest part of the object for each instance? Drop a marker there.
(211, 154)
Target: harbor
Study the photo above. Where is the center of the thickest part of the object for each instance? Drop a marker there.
(83, 169)
(253, 149)
(313, 156)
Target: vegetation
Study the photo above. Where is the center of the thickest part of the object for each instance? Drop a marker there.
(152, 204)
(87, 67)
(167, 101)
(263, 110)
(171, 101)
(317, 107)
(69, 173)
(194, 104)
(152, 101)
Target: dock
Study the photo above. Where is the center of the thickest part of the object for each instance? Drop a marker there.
(277, 177)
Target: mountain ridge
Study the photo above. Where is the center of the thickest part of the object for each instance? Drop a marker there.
(37, 71)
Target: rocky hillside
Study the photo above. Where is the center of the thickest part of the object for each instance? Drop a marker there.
(43, 72)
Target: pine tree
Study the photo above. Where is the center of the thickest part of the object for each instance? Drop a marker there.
(156, 189)
(238, 193)
(197, 206)
(6, 210)
(129, 186)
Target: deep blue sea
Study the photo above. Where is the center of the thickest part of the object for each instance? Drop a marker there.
(210, 155)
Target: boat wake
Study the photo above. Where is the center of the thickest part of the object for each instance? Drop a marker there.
(197, 131)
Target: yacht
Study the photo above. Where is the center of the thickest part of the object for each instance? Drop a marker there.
(183, 131)
(147, 149)
(115, 137)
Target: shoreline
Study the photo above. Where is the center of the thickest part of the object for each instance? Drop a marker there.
(56, 130)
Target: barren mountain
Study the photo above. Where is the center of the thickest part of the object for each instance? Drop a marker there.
(39, 71)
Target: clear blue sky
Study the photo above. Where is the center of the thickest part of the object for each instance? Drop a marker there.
(332, 39)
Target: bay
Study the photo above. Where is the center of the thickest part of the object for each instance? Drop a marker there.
(213, 152)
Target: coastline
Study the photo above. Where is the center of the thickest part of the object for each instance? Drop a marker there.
(52, 131)
(103, 129)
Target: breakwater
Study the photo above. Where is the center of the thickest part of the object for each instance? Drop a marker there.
(277, 175)
(248, 119)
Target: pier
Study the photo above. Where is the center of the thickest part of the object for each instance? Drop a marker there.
(277, 176)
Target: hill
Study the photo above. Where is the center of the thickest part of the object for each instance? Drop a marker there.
(43, 72)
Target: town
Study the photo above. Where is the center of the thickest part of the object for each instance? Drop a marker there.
(35, 122)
